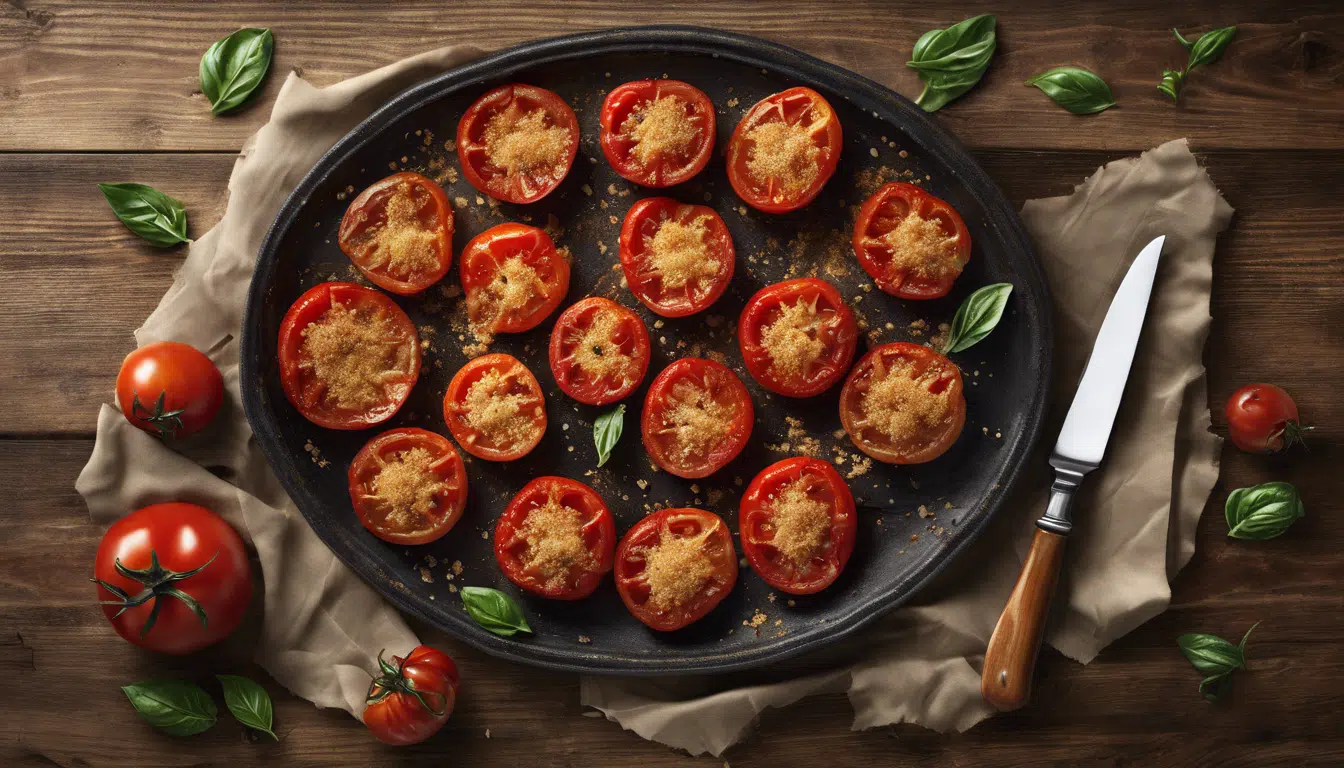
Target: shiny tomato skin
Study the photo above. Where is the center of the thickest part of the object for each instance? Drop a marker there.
(1262, 418)
(824, 484)
(516, 101)
(724, 388)
(795, 106)
(621, 148)
(630, 339)
(483, 268)
(518, 380)
(183, 537)
(642, 223)
(398, 718)
(684, 523)
(838, 330)
(930, 442)
(448, 468)
(369, 211)
(299, 385)
(598, 532)
(884, 210)
(188, 381)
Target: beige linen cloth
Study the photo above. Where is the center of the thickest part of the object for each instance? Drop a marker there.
(323, 626)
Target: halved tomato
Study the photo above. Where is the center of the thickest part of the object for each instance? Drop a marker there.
(797, 337)
(674, 566)
(798, 524)
(513, 278)
(495, 409)
(348, 356)
(657, 132)
(912, 244)
(784, 150)
(517, 142)
(678, 259)
(599, 351)
(399, 232)
(556, 539)
(408, 485)
(903, 404)
(697, 417)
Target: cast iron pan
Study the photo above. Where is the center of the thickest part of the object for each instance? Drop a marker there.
(899, 548)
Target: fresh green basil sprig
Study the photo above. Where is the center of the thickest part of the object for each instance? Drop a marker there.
(1215, 658)
(951, 61)
(173, 706)
(1075, 89)
(495, 611)
(607, 432)
(1206, 49)
(977, 316)
(233, 68)
(158, 218)
(248, 702)
(1263, 512)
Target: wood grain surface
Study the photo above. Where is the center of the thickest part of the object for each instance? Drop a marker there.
(107, 91)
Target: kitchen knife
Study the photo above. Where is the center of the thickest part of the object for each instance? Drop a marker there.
(1011, 656)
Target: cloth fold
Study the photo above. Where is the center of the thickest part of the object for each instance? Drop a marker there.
(323, 626)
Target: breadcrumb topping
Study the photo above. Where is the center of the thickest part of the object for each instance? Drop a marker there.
(516, 283)
(402, 243)
(354, 353)
(525, 144)
(799, 522)
(898, 405)
(679, 253)
(554, 535)
(920, 247)
(659, 128)
(594, 349)
(405, 487)
(793, 340)
(501, 415)
(676, 568)
(696, 421)
(783, 152)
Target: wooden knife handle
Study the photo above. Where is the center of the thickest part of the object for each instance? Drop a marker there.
(1011, 656)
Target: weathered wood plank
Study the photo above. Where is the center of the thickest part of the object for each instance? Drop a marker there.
(117, 75)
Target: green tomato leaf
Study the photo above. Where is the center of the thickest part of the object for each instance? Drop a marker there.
(173, 706)
(1263, 512)
(1075, 89)
(233, 68)
(977, 316)
(495, 611)
(607, 432)
(1208, 48)
(951, 61)
(248, 702)
(147, 212)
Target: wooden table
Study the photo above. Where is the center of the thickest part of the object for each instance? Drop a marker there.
(103, 90)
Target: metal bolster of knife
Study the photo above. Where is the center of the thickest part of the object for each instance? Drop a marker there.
(1058, 517)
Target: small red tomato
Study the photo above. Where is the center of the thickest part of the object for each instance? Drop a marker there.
(399, 232)
(599, 351)
(784, 150)
(797, 337)
(494, 408)
(677, 258)
(173, 578)
(697, 417)
(408, 486)
(169, 388)
(798, 525)
(517, 142)
(657, 132)
(513, 278)
(912, 244)
(1262, 418)
(674, 566)
(556, 539)
(412, 697)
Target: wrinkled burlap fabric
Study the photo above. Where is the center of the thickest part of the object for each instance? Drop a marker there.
(322, 626)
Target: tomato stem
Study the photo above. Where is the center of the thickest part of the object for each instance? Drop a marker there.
(167, 422)
(158, 582)
(1293, 433)
(393, 681)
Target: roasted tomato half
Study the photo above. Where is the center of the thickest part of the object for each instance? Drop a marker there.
(599, 351)
(784, 150)
(798, 524)
(411, 698)
(495, 409)
(903, 404)
(797, 337)
(348, 356)
(399, 232)
(517, 142)
(169, 389)
(408, 486)
(674, 566)
(678, 259)
(513, 278)
(657, 132)
(912, 244)
(556, 539)
(697, 417)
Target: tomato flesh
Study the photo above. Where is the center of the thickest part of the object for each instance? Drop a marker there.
(517, 142)
(697, 417)
(798, 524)
(513, 278)
(913, 244)
(399, 233)
(599, 351)
(1262, 418)
(784, 150)
(408, 486)
(190, 385)
(657, 133)
(797, 337)
(903, 404)
(494, 408)
(556, 539)
(678, 259)
(413, 697)
(674, 566)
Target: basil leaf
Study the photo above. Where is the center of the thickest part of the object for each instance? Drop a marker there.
(232, 68)
(495, 611)
(248, 702)
(1075, 89)
(1263, 512)
(173, 706)
(1208, 48)
(607, 432)
(951, 61)
(147, 212)
(1172, 80)
(1215, 658)
(977, 316)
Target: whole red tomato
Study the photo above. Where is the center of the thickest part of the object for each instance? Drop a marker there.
(169, 388)
(1262, 418)
(413, 697)
(173, 577)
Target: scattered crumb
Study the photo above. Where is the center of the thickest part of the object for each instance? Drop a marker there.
(756, 620)
(585, 639)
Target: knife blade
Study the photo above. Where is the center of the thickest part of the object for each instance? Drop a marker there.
(1010, 658)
